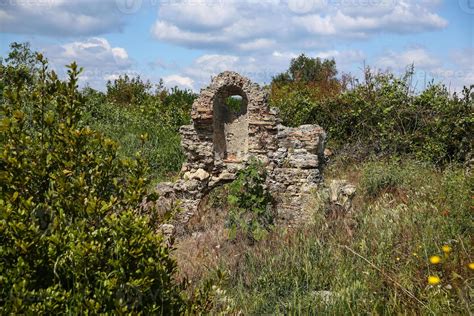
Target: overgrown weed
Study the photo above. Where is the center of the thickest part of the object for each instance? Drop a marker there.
(382, 266)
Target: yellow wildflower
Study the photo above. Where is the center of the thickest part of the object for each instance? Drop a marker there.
(433, 280)
(446, 249)
(471, 265)
(435, 259)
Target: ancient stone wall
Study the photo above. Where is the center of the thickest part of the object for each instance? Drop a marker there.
(220, 141)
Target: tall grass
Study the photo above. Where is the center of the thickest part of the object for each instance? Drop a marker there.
(378, 261)
(139, 128)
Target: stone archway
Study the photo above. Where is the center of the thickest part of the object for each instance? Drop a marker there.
(230, 125)
(220, 141)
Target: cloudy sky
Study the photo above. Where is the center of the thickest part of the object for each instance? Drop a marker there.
(185, 42)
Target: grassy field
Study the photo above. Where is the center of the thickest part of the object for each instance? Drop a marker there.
(375, 260)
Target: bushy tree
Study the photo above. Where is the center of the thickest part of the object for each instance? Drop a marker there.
(175, 107)
(385, 114)
(308, 70)
(19, 66)
(21, 55)
(156, 118)
(299, 92)
(71, 240)
(128, 91)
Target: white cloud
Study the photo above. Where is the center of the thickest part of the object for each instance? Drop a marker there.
(61, 17)
(5, 18)
(344, 59)
(180, 81)
(100, 60)
(199, 16)
(257, 44)
(119, 53)
(420, 57)
(95, 51)
(316, 24)
(242, 25)
(428, 67)
(328, 54)
(286, 55)
(464, 58)
(112, 77)
(401, 19)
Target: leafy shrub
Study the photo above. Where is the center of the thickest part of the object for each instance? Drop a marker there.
(300, 104)
(143, 121)
(457, 196)
(171, 107)
(138, 129)
(174, 110)
(250, 213)
(19, 66)
(128, 91)
(70, 238)
(234, 103)
(384, 115)
(316, 71)
(300, 91)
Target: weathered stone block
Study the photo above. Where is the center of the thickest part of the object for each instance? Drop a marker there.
(220, 142)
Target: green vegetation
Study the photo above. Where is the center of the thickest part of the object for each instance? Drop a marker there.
(234, 103)
(72, 236)
(406, 247)
(382, 115)
(131, 114)
(376, 260)
(250, 212)
(138, 128)
(75, 167)
(380, 177)
(312, 71)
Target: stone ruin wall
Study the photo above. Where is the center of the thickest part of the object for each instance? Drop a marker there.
(219, 142)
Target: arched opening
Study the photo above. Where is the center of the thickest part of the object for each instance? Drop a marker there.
(234, 103)
(230, 124)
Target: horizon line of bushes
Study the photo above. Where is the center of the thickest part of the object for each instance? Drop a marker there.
(380, 115)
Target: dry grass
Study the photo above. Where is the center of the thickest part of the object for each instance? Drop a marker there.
(205, 244)
(396, 230)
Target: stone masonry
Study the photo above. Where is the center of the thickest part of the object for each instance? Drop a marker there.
(220, 141)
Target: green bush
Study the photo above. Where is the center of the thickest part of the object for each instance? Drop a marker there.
(315, 71)
(171, 108)
(234, 103)
(174, 110)
(71, 240)
(384, 115)
(250, 203)
(130, 114)
(128, 91)
(138, 129)
(296, 104)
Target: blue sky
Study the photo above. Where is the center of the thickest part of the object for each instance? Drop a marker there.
(185, 42)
